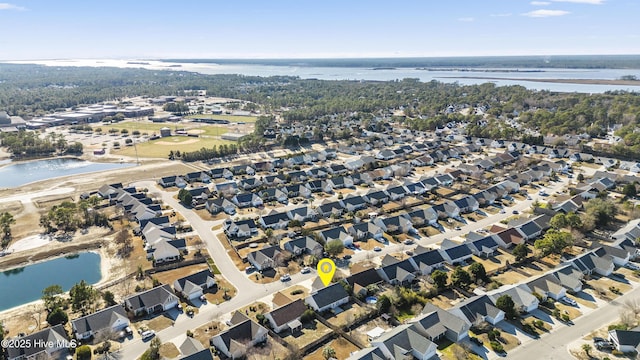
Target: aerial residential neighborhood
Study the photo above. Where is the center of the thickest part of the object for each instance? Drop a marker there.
(266, 180)
(455, 255)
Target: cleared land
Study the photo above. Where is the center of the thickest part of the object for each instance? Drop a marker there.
(160, 148)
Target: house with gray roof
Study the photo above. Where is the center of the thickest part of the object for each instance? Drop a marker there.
(303, 245)
(405, 342)
(192, 349)
(627, 341)
(631, 231)
(193, 286)
(265, 258)
(275, 220)
(569, 278)
(426, 261)
(447, 210)
(454, 253)
(240, 228)
(467, 204)
(435, 323)
(286, 317)
(235, 341)
(594, 261)
(105, 323)
(376, 197)
(397, 272)
(353, 203)
(422, 217)
(548, 286)
(620, 256)
(485, 246)
(330, 208)
(158, 299)
(327, 298)
(521, 295)
(369, 353)
(366, 230)
(336, 233)
(477, 309)
(395, 224)
(40, 347)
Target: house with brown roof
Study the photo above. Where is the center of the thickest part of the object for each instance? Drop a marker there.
(287, 317)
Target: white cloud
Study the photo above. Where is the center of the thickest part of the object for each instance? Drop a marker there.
(542, 13)
(466, 19)
(591, 2)
(501, 15)
(540, 3)
(7, 6)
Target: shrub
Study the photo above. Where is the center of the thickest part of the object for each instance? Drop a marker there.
(493, 334)
(539, 324)
(496, 346)
(556, 313)
(617, 353)
(528, 328)
(189, 333)
(261, 319)
(297, 292)
(307, 316)
(565, 317)
(83, 352)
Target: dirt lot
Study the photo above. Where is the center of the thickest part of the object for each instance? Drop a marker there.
(342, 347)
(216, 295)
(348, 316)
(360, 332)
(168, 277)
(309, 333)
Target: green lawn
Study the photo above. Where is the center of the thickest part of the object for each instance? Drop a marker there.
(160, 148)
(230, 118)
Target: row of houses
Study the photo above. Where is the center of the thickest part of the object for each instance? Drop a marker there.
(110, 322)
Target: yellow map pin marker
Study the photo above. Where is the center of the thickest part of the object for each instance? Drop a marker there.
(326, 270)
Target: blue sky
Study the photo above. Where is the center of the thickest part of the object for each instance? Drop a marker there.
(53, 29)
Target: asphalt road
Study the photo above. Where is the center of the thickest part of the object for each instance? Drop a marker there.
(554, 345)
(248, 291)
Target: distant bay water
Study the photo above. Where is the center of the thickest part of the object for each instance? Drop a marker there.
(465, 76)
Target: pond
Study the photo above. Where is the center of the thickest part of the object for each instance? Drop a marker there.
(22, 285)
(26, 172)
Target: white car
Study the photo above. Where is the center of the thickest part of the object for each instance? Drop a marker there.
(569, 301)
(285, 277)
(305, 270)
(146, 335)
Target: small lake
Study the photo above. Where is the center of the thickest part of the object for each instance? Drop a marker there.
(22, 285)
(26, 172)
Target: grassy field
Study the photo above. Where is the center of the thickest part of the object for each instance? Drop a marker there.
(154, 128)
(230, 118)
(160, 148)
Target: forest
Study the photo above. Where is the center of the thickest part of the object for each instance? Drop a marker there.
(314, 102)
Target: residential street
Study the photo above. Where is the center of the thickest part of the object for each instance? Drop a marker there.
(554, 345)
(248, 291)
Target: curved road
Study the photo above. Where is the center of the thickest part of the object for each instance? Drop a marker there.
(248, 291)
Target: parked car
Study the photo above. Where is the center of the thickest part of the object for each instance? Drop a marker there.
(569, 301)
(377, 248)
(250, 269)
(285, 277)
(408, 242)
(128, 331)
(146, 335)
(597, 339)
(502, 211)
(632, 266)
(305, 270)
(203, 298)
(604, 345)
(515, 212)
(457, 228)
